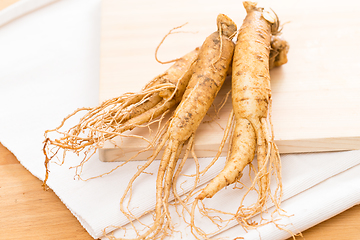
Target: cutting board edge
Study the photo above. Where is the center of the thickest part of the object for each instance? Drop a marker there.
(285, 147)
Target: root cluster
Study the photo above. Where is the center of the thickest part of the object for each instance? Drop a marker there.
(189, 86)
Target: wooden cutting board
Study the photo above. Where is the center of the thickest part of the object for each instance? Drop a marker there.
(316, 95)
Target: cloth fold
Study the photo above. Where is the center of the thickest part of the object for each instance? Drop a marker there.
(50, 66)
(21, 8)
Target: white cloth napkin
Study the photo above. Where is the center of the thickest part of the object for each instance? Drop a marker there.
(50, 66)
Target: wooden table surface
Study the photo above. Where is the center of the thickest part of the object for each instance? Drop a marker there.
(29, 212)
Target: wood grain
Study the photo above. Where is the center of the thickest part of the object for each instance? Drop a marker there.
(316, 103)
(343, 226)
(28, 212)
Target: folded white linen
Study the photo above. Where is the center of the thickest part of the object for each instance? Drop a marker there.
(20, 8)
(50, 66)
(312, 194)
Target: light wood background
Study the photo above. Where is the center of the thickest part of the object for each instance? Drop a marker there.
(315, 96)
(28, 212)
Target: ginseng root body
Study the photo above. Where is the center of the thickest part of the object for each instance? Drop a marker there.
(208, 76)
(251, 100)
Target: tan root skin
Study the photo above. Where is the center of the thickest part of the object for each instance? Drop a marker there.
(251, 99)
(279, 51)
(208, 76)
(251, 95)
(251, 79)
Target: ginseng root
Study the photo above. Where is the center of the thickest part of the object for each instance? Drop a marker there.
(278, 52)
(117, 115)
(251, 100)
(210, 72)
